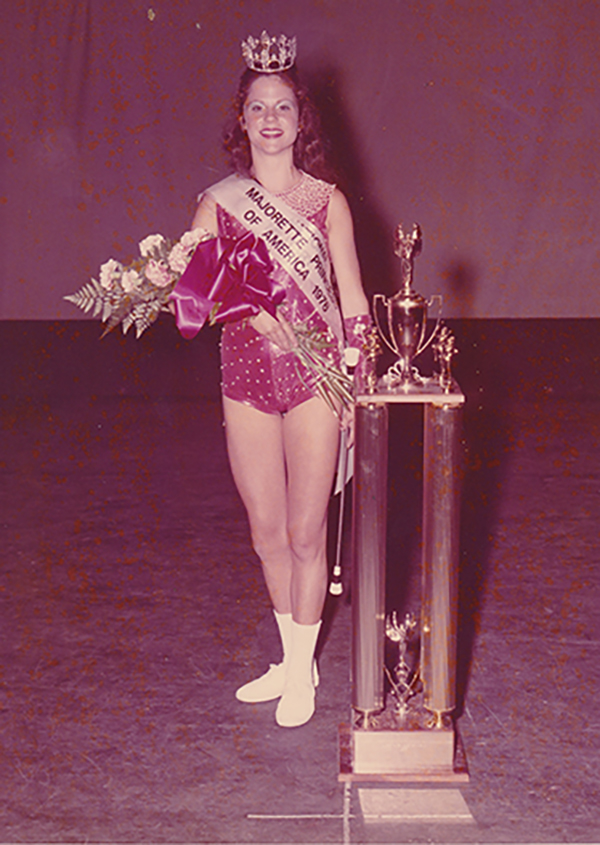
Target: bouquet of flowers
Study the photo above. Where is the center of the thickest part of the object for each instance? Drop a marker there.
(203, 277)
(134, 295)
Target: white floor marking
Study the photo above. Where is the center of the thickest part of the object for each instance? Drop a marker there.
(346, 814)
(298, 816)
(414, 805)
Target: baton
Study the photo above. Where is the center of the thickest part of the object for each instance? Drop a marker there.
(336, 588)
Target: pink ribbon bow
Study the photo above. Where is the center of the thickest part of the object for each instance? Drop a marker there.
(230, 275)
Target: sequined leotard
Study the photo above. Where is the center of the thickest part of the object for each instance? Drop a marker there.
(254, 370)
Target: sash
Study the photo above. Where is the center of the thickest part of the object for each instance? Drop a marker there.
(293, 242)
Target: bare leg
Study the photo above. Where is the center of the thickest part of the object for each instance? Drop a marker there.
(256, 455)
(311, 435)
(283, 469)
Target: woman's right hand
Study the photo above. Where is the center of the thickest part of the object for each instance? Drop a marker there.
(277, 330)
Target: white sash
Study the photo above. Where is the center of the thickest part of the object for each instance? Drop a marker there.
(292, 241)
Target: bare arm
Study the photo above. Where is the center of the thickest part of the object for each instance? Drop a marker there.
(206, 215)
(342, 249)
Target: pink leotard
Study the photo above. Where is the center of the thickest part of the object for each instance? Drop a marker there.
(254, 370)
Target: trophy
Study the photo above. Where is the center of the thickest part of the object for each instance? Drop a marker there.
(409, 734)
(405, 680)
(406, 313)
(444, 349)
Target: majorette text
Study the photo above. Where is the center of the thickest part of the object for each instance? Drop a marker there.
(286, 241)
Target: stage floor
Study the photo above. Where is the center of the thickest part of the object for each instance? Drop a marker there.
(132, 606)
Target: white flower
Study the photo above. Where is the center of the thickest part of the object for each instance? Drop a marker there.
(157, 272)
(180, 255)
(130, 281)
(110, 271)
(191, 239)
(178, 258)
(150, 244)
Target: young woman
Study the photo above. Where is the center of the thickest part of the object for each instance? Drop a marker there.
(282, 439)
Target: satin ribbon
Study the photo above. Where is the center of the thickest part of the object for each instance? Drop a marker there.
(231, 277)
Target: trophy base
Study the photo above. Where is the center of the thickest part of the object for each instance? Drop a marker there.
(427, 391)
(386, 748)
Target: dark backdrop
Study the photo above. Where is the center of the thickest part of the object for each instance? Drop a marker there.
(477, 119)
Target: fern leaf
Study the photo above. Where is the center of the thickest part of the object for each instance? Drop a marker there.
(111, 323)
(144, 315)
(106, 311)
(90, 296)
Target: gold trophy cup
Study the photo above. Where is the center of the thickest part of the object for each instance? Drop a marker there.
(406, 313)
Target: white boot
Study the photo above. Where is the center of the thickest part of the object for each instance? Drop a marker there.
(270, 685)
(297, 703)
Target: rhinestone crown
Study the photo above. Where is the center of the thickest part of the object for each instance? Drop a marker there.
(269, 54)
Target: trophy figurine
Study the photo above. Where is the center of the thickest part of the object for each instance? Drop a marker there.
(406, 313)
(444, 350)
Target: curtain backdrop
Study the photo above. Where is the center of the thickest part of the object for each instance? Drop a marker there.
(478, 119)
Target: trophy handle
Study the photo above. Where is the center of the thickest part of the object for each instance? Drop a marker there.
(436, 328)
(380, 297)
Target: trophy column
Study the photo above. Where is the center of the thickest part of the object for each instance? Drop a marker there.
(369, 530)
(439, 573)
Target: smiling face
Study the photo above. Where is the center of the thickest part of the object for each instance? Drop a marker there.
(270, 116)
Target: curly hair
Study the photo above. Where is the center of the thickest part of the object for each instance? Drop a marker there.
(310, 148)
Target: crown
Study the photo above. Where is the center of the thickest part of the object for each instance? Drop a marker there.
(269, 55)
